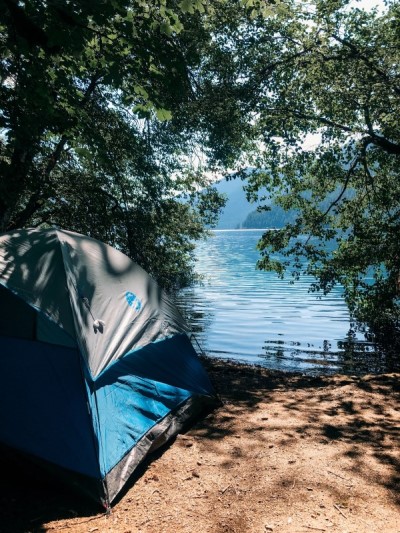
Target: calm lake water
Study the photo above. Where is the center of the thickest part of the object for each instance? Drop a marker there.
(251, 316)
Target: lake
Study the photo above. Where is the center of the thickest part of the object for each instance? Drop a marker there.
(251, 316)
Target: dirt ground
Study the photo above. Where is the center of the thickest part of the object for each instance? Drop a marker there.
(284, 453)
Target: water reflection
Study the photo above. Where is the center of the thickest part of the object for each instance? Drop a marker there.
(251, 316)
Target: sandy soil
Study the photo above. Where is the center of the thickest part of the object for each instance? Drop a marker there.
(284, 453)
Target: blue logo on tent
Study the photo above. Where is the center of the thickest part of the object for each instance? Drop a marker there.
(133, 301)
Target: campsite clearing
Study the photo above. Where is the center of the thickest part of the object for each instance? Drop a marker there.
(285, 453)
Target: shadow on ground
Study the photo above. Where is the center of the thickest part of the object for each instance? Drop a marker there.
(362, 413)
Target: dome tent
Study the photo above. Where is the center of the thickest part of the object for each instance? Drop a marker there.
(96, 367)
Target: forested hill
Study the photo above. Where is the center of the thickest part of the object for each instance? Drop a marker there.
(239, 213)
(276, 218)
(237, 207)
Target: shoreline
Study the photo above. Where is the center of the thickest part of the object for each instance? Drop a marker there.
(320, 369)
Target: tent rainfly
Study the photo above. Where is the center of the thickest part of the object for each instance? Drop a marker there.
(96, 366)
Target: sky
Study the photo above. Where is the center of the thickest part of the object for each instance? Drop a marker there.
(369, 4)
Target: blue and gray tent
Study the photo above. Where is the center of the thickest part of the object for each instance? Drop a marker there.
(96, 366)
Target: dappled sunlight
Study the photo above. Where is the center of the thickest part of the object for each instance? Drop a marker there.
(82, 285)
(286, 451)
(29, 267)
(276, 426)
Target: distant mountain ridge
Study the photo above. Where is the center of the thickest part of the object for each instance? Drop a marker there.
(239, 213)
(276, 218)
(237, 207)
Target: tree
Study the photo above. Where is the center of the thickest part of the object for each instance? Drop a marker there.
(102, 107)
(329, 72)
(273, 217)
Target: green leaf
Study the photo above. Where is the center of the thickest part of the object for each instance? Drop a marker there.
(165, 27)
(163, 114)
(141, 91)
(187, 6)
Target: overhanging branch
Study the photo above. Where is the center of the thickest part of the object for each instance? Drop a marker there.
(344, 188)
(370, 137)
(367, 61)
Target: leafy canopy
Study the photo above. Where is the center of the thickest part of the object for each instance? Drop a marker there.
(105, 106)
(102, 108)
(322, 79)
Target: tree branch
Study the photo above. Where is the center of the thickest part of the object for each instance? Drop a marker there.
(341, 194)
(367, 61)
(316, 118)
(55, 156)
(374, 138)
(388, 146)
(370, 138)
(30, 209)
(39, 195)
(275, 64)
(344, 188)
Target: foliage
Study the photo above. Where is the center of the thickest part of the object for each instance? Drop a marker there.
(102, 107)
(327, 72)
(272, 217)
